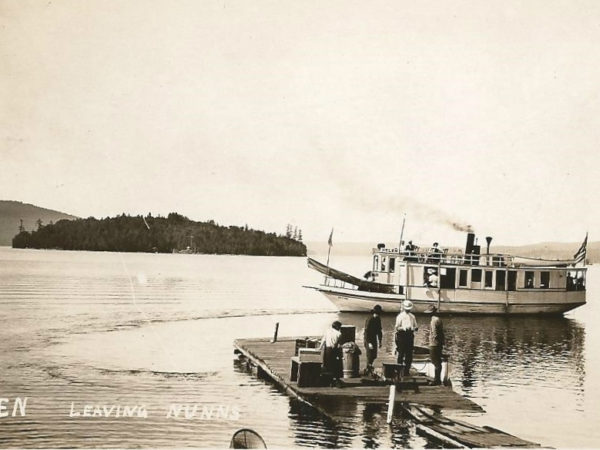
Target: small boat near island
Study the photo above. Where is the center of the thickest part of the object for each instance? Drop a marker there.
(469, 282)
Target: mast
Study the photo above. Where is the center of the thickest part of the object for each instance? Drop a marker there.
(399, 253)
(401, 234)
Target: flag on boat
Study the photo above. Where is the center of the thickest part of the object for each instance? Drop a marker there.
(330, 240)
(580, 255)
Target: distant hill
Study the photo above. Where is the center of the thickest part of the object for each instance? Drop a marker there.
(552, 250)
(12, 212)
(340, 248)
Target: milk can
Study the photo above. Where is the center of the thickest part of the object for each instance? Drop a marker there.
(350, 360)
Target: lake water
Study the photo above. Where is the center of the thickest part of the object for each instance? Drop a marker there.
(155, 332)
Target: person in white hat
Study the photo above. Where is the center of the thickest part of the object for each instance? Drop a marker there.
(406, 325)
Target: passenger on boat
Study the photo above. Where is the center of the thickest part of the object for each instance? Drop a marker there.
(432, 279)
(436, 343)
(373, 336)
(332, 352)
(406, 325)
(410, 251)
(436, 253)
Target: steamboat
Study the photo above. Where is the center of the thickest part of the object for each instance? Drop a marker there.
(469, 282)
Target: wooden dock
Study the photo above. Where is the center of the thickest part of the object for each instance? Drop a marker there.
(457, 433)
(274, 361)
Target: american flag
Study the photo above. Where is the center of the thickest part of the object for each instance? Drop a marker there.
(330, 241)
(579, 256)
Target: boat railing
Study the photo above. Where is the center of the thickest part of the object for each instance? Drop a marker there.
(428, 256)
(334, 282)
(454, 258)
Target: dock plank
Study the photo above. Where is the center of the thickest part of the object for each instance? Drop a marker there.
(462, 433)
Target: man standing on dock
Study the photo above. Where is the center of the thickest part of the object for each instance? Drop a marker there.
(406, 325)
(436, 343)
(373, 337)
(332, 355)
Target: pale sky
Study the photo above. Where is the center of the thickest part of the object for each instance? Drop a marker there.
(316, 113)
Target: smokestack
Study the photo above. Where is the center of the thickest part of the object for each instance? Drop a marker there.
(489, 241)
(469, 248)
(470, 242)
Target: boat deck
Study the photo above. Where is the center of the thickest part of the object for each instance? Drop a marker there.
(274, 360)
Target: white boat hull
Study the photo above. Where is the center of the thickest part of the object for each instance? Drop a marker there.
(461, 302)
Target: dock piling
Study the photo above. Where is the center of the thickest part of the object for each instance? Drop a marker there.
(391, 402)
(275, 334)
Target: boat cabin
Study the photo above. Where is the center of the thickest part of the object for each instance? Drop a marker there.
(439, 268)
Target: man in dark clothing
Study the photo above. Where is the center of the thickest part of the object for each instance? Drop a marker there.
(436, 343)
(373, 336)
(410, 251)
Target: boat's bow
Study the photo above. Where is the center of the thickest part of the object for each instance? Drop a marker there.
(362, 285)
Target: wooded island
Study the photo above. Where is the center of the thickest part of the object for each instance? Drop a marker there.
(174, 233)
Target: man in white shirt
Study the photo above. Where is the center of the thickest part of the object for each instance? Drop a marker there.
(432, 279)
(332, 351)
(406, 325)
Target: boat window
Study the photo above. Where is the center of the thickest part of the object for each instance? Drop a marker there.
(476, 276)
(383, 263)
(500, 280)
(448, 278)
(544, 280)
(575, 280)
(392, 265)
(462, 277)
(375, 263)
(512, 280)
(498, 261)
(581, 281)
(529, 275)
(488, 278)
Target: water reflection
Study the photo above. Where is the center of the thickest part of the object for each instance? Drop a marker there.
(512, 350)
(311, 428)
(372, 423)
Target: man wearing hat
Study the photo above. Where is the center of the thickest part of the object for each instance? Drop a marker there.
(406, 325)
(332, 354)
(436, 343)
(373, 336)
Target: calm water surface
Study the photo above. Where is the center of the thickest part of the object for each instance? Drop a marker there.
(156, 331)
